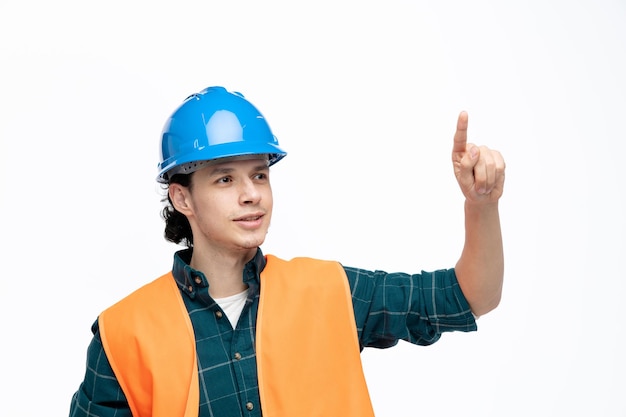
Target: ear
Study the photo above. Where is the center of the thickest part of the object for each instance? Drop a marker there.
(180, 198)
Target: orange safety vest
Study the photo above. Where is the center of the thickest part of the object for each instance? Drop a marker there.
(308, 355)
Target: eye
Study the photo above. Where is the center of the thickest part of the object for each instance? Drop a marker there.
(260, 176)
(223, 180)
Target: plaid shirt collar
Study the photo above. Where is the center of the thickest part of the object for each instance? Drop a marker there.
(192, 282)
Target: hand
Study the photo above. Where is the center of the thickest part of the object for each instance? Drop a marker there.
(478, 169)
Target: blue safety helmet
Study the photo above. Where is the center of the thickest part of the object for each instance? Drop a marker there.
(214, 123)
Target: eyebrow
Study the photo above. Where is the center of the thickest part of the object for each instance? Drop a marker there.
(227, 170)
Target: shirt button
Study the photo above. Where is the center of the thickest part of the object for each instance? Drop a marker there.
(249, 406)
(238, 356)
(198, 280)
(219, 314)
(190, 288)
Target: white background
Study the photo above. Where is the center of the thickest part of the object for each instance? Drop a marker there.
(364, 96)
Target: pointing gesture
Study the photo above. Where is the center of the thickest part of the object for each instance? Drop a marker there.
(480, 174)
(478, 169)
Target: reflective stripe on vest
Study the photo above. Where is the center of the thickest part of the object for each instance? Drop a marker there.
(308, 355)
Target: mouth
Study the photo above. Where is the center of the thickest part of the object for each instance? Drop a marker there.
(250, 218)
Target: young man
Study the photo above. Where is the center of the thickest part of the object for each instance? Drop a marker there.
(230, 331)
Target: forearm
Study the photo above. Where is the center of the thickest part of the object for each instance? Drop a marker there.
(480, 269)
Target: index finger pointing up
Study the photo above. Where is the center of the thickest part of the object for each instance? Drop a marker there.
(460, 137)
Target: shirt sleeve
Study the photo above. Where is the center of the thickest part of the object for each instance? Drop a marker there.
(99, 394)
(417, 308)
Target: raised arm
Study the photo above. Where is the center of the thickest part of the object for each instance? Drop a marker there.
(480, 174)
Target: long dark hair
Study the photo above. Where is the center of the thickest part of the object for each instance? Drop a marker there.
(177, 228)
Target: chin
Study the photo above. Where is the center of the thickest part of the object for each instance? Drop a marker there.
(252, 243)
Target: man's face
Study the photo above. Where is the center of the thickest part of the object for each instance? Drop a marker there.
(230, 205)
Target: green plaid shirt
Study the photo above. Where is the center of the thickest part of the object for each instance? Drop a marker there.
(388, 307)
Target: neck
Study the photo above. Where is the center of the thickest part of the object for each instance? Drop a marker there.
(224, 271)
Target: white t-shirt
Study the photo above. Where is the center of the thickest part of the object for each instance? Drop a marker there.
(232, 306)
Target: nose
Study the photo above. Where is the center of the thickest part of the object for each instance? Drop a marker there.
(249, 192)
